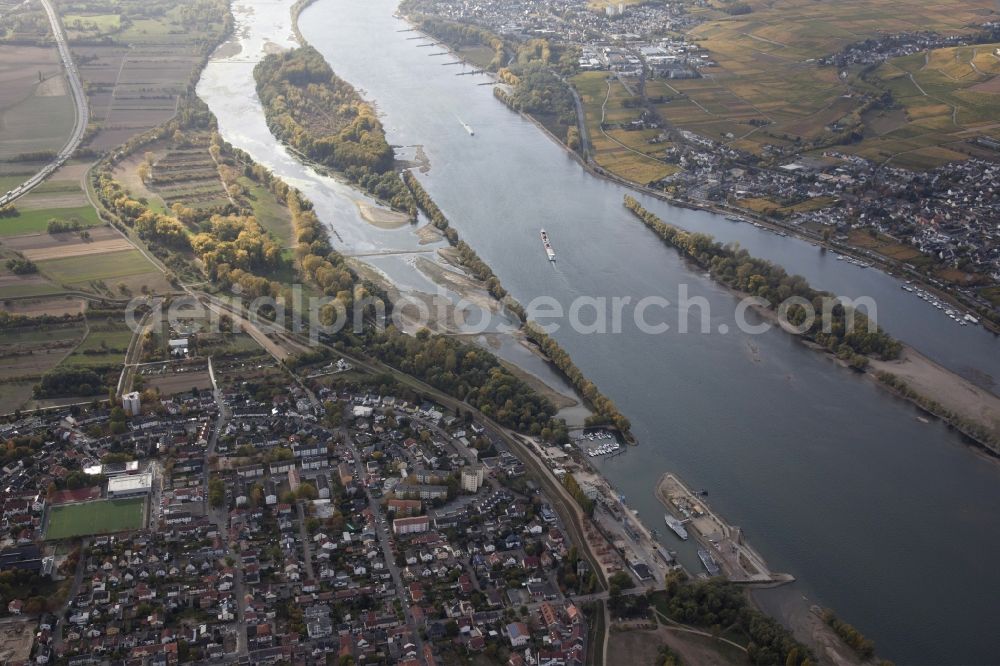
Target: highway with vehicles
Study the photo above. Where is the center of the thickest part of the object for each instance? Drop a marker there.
(80, 102)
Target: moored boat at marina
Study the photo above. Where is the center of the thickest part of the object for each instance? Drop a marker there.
(711, 566)
(676, 526)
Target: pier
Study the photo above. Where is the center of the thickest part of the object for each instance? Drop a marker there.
(738, 562)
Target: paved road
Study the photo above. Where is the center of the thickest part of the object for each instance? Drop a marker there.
(385, 541)
(304, 537)
(57, 632)
(220, 516)
(80, 102)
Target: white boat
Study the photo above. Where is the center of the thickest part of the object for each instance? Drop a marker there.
(468, 127)
(548, 246)
(676, 526)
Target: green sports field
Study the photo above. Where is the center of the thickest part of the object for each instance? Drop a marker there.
(101, 517)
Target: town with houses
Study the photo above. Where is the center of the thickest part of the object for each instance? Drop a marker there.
(949, 214)
(265, 521)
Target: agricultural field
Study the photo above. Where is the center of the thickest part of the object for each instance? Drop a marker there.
(123, 267)
(146, 60)
(767, 73)
(779, 209)
(36, 109)
(172, 377)
(24, 286)
(992, 295)
(626, 153)
(98, 259)
(36, 307)
(105, 345)
(132, 90)
(890, 248)
(91, 26)
(35, 221)
(67, 521)
(947, 97)
(26, 353)
(188, 176)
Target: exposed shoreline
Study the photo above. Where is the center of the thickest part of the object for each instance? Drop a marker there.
(381, 218)
(948, 389)
(927, 381)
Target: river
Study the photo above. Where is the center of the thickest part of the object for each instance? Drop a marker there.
(886, 519)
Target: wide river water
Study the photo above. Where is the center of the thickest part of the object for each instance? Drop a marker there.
(890, 521)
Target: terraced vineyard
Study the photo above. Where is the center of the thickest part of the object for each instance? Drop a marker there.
(188, 176)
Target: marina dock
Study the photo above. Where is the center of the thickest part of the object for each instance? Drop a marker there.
(736, 560)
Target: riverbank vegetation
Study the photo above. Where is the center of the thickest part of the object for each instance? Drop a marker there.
(534, 71)
(722, 608)
(471, 374)
(864, 647)
(537, 86)
(848, 334)
(324, 118)
(605, 411)
(463, 38)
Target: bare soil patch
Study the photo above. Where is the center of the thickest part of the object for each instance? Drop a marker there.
(19, 69)
(953, 392)
(227, 50)
(55, 307)
(78, 249)
(54, 86)
(47, 200)
(469, 289)
(990, 86)
(429, 234)
(73, 171)
(180, 382)
(642, 646)
(381, 217)
(16, 639)
(24, 285)
(29, 242)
